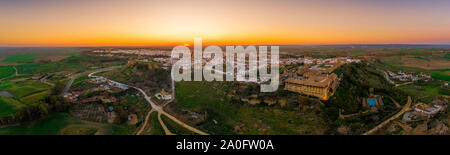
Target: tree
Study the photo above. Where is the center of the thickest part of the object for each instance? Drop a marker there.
(58, 88)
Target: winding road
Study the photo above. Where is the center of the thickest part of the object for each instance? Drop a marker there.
(69, 84)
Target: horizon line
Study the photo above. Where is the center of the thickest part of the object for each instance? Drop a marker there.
(341, 44)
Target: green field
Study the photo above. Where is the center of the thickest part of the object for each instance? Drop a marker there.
(23, 88)
(73, 64)
(21, 58)
(62, 123)
(9, 106)
(441, 75)
(70, 54)
(421, 58)
(24, 92)
(447, 56)
(201, 97)
(35, 97)
(6, 71)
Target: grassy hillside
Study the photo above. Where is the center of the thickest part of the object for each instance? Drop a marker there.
(23, 88)
(226, 117)
(358, 82)
(9, 106)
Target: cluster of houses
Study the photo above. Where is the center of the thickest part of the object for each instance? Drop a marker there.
(118, 85)
(309, 60)
(72, 96)
(98, 80)
(146, 52)
(427, 109)
(102, 80)
(104, 85)
(422, 110)
(405, 77)
(163, 95)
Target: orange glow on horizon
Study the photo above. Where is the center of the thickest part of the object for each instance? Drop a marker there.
(243, 22)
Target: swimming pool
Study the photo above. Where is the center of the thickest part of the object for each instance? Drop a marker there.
(372, 102)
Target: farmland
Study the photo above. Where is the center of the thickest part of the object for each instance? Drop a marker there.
(62, 123)
(23, 88)
(6, 71)
(212, 107)
(23, 93)
(9, 105)
(21, 58)
(421, 58)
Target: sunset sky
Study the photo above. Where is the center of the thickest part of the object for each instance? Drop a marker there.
(220, 22)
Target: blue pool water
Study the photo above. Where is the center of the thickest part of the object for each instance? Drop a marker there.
(372, 102)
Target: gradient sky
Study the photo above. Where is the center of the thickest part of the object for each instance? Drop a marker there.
(175, 22)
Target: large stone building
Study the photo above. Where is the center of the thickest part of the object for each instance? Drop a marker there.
(320, 86)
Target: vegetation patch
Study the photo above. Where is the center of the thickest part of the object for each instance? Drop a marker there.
(6, 71)
(174, 127)
(21, 58)
(155, 126)
(421, 58)
(441, 75)
(9, 105)
(361, 81)
(23, 88)
(225, 116)
(447, 56)
(61, 123)
(35, 97)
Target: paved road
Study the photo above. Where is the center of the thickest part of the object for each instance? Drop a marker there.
(388, 79)
(69, 84)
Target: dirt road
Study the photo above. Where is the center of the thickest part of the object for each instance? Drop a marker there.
(404, 109)
(145, 122)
